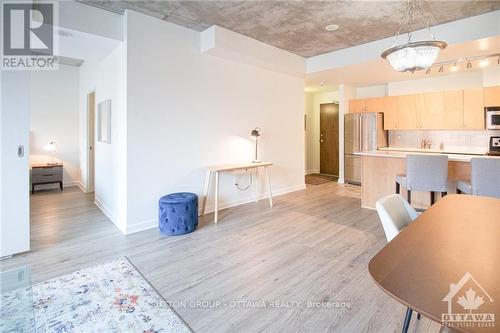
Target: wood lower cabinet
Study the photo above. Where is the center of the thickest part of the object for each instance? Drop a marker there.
(391, 113)
(474, 109)
(492, 96)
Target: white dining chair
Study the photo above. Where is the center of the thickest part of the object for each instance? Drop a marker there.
(396, 213)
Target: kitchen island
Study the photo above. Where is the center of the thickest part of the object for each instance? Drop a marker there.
(380, 167)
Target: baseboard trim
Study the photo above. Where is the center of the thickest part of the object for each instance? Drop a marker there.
(144, 225)
(153, 223)
(81, 186)
(71, 183)
(311, 171)
(263, 196)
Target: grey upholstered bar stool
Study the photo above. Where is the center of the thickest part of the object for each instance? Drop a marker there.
(485, 178)
(426, 173)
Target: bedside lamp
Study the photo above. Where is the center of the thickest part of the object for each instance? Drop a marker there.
(256, 133)
(51, 146)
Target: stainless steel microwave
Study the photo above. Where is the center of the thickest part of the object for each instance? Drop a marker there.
(492, 117)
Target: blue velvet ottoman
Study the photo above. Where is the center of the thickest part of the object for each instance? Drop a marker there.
(178, 213)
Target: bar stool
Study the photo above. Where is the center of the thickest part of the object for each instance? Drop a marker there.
(485, 178)
(426, 173)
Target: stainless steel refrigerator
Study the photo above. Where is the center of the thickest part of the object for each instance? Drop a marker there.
(362, 132)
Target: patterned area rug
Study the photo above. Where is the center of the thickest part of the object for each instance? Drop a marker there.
(113, 297)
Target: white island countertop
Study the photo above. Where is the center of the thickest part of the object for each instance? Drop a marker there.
(403, 154)
(445, 150)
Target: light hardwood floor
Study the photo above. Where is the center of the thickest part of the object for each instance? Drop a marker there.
(313, 245)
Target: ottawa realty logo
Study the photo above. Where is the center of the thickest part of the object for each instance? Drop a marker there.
(469, 305)
(28, 38)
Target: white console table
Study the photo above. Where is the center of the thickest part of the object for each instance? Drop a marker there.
(233, 167)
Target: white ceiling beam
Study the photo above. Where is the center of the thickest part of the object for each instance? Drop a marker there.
(230, 45)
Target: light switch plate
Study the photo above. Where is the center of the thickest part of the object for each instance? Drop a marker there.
(20, 151)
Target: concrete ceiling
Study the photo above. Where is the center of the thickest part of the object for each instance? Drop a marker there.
(298, 26)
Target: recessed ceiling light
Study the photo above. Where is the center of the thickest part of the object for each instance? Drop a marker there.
(483, 63)
(332, 27)
(454, 68)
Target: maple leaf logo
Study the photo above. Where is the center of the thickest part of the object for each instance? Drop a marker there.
(471, 301)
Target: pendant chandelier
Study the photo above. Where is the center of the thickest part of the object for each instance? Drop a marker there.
(413, 55)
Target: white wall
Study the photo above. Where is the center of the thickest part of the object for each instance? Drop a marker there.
(188, 110)
(437, 83)
(310, 147)
(110, 158)
(77, 16)
(54, 117)
(371, 91)
(491, 76)
(109, 81)
(89, 75)
(14, 172)
(313, 153)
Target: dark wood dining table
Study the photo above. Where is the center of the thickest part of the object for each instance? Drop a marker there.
(445, 265)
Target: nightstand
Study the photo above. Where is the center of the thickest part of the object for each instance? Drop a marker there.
(46, 174)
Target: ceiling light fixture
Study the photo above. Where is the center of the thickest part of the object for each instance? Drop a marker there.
(441, 69)
(332, 27)
(483, 63)
(469, 65)
(428, 71)
(454, 68)
(413, 56)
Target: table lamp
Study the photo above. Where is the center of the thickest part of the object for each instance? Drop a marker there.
(256, 133)
(51, 146)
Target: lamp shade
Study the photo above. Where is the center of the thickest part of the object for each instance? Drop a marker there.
(51, 146)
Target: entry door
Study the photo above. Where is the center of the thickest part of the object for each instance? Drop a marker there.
(91, 138)
(329, 138)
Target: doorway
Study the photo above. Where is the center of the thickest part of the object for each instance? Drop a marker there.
(90, 140)
(329, 139)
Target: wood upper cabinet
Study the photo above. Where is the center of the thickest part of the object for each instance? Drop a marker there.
(374, 104)
(454, 109)
(366, 105)
(474, 109)
(431, 111)
(408, 117)
(391, 112)
(356, 105)
(492, 96)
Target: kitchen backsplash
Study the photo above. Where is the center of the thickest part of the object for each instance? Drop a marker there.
(448, 139)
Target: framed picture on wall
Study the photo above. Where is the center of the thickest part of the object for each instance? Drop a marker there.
(104, 121)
